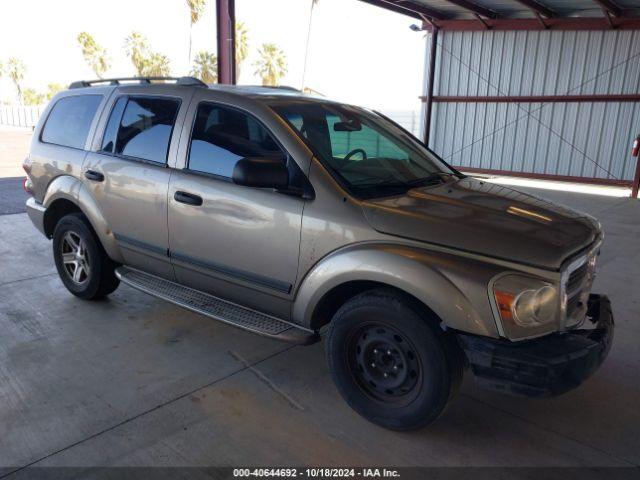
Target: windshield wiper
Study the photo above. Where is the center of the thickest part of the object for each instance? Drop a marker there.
(433, 178)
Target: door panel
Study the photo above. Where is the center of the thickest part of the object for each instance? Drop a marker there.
(242, 243)
(133, 200)
(128, 175)
(236, 242)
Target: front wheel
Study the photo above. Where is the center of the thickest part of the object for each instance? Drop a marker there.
(83, 265)
(390, 364)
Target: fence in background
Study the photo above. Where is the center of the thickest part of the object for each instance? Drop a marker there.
(26, 116)
(20, 115)
(407, 118)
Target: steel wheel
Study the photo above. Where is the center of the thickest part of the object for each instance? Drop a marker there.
(384, 363)
(75, 258)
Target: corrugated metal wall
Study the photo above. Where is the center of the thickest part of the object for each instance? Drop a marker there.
(577, 139)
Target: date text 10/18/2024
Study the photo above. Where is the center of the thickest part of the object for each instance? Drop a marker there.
(316, 472)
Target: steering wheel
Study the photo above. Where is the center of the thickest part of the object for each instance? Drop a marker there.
(353, 152)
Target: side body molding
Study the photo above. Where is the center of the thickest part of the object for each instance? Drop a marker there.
(70, 188)
(446, 283)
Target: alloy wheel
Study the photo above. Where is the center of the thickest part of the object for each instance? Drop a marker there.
(75, 258)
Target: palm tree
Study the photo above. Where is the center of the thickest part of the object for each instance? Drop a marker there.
(146, 62)
(33, 97)
(16, 70)
(52, 89)
(137, 48)
(196, 8)
(157, 65)
(94, 54)
(306, 50)
(272, 64)
(242, 45)
(205, 67)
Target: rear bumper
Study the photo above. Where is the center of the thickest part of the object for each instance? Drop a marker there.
(36, 211)
(545, 366)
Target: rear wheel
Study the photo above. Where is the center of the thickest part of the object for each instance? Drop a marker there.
(391, 365)
(84, 267)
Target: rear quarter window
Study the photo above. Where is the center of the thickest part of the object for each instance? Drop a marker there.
(70, 119)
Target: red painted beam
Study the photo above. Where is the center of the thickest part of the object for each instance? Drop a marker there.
(537, 7)
(573, 23)
(547, 176)
(622, 97)
(405, 7)
(475, 8)
(610, 7)
(225, 23)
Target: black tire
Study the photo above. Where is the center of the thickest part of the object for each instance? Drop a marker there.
(99, 277)
(402, 399)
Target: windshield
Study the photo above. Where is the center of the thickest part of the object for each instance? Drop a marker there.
(369, 154)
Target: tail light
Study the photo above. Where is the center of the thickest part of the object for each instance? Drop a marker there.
(27, 185)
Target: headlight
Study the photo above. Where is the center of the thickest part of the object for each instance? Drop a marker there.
(527, 306)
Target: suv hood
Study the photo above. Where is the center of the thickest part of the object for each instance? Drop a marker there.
(485, 218)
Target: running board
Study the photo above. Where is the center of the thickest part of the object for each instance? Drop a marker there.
(216, 308)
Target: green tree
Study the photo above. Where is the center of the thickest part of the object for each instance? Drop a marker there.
(146, 62)
(242, 45)
(16, 71)
(32, 97)
(272, 64)
(157, 65)
(306, 50)
(52, 89)
(94, 54)
(205, 67)
(196, 9)
(137, 49)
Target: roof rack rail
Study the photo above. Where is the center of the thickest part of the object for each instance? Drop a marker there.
(279, 87)
(185, 81)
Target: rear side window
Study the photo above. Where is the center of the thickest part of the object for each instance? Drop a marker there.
(222, 136)
(70, 119)
(141, 127)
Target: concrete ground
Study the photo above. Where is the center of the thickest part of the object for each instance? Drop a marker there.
(134, 381)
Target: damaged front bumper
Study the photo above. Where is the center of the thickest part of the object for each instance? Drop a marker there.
(544, 366)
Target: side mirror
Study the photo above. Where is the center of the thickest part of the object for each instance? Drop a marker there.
(263, 172)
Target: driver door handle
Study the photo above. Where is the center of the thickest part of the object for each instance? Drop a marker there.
(94, 176)
(188, 198)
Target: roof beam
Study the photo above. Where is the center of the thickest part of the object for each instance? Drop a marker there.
(570, 23)
(414, 10)
(537, 8)
(474, 8)
(610, 7)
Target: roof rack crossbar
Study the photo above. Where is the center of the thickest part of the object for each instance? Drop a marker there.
(185, 81)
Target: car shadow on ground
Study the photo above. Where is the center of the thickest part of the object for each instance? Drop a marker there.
(12, 195)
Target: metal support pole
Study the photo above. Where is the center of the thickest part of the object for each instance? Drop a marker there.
(429, 93)
(226, 22)
(636, 180)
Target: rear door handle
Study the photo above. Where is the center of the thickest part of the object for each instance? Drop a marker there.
(188, 198)
(94, 176)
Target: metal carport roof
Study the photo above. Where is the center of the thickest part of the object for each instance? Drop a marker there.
(519, 14)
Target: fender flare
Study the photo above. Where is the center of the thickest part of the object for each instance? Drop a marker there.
(420, 273)
(67, 187)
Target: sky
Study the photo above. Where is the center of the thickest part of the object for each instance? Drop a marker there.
(358, 53)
